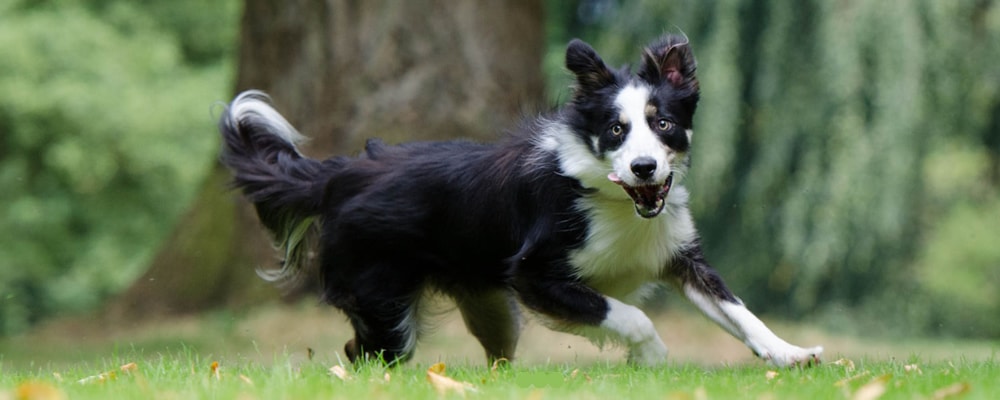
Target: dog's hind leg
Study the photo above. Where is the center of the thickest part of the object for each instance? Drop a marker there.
(494, 318)
(703, 286)
(385, 330)
(383, 308)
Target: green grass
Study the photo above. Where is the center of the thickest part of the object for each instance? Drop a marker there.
(184, 375)
(286, 352)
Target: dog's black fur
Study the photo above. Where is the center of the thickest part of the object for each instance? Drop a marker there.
(493, 225)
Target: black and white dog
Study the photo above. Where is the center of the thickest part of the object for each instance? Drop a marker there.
(576, 216)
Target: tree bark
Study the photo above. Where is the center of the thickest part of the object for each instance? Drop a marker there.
(343, 71)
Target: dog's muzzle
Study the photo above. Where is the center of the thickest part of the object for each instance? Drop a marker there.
(649, 199)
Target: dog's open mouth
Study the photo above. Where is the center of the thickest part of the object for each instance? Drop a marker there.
(649, 199)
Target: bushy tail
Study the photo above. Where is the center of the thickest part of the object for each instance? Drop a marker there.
(285, 187)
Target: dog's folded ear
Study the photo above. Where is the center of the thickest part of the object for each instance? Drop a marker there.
(669, 61)
(591, 72)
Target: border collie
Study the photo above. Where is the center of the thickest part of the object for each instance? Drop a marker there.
(576, 216)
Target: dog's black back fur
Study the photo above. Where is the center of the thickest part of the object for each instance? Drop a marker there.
(462, 214)
(459, 217)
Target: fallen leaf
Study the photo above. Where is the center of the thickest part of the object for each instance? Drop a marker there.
(536, 394)
(246, 379)
(99, 378)
(771, 375)
(872, 390)
(443, 384)
(951, 391)
(679, 396)
(129, 367)
(847, 364)
(340, 372)
(91, 379)
(700, 393)
(38, 391)
(437, 368)
(576, 373)
(847, 380)
(215, 370)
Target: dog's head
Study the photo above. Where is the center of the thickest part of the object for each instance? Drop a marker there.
(631, 132)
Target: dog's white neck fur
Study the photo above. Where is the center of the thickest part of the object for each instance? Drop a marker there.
(623, 252)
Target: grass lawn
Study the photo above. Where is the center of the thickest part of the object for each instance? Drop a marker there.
(188, 376)
(293, 353)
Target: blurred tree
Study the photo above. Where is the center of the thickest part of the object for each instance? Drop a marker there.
(342, 71)
(97, 107)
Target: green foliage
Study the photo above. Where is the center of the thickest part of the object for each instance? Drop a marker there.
(106, 129)
(817, 122)
(960, 270)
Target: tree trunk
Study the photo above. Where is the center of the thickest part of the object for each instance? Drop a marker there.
(342, 71)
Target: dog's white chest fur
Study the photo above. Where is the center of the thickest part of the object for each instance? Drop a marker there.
(623, 252)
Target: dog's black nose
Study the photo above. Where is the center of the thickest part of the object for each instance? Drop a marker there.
(643, 167)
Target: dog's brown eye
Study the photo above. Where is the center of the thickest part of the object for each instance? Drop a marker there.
(616, 129)
(664, 125)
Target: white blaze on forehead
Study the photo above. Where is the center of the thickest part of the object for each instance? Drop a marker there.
(631, 102)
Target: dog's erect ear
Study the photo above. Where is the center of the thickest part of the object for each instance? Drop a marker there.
(669, 61)
(591, 72)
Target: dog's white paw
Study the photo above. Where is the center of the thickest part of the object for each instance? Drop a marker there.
(650, 353)
(792, 356)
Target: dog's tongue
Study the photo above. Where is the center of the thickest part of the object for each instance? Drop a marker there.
(643, 195)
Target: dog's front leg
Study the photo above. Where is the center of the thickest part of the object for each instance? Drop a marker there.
(576, 308)
(703, 286)
(629, 325)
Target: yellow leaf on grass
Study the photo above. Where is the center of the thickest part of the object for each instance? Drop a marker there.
(443, 384)
(38, 391)
(771, 375)
(847, 380)
(340, 372)
(437, 368)
(700, 393)
(99, 378)
(951, 391)
(913, 368)
(130, 367)
(847, 364)
(575, 373)
(872, 390)
(215, 370)
(535, 394)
